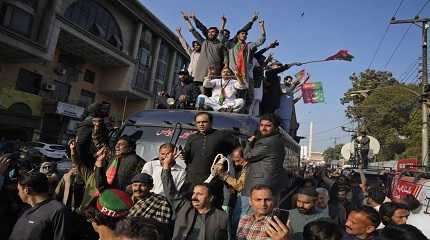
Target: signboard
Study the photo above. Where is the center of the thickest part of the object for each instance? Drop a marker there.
(403, 186)
(407, 164)
(70, 110)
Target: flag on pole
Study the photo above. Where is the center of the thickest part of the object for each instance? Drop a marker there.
(300, 75)
(313, 92)
(341, 55)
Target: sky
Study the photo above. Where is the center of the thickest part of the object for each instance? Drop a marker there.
(315, 29)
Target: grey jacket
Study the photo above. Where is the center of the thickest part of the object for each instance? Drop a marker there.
(215, 220)
(266, 157)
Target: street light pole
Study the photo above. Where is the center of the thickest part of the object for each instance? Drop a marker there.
(424, 82)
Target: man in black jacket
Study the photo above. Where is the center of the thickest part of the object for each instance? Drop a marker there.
(265, 153)
(46, 219)
(200, 151)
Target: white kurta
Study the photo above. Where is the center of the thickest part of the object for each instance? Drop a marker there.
(230, 89)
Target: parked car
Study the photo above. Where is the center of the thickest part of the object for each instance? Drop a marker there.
(53, 151)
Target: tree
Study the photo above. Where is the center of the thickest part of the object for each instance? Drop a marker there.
(333, 153)
(389, 111)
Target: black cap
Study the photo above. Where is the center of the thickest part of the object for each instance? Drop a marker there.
(183, 71)
(142, 178)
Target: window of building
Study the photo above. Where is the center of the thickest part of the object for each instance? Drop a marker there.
(86, 98)
(31, 3)
(16, 19)
(89, 76)
(96, 19)
(163, 64)
(29, 82)
(144, 63)
(62, 91)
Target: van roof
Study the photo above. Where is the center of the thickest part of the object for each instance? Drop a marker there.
(228, 121)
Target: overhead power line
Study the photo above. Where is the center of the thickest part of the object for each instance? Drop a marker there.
(378, 47)
(403, 36)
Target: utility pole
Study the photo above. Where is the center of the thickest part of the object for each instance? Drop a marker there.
(310, 141)
(424, 83)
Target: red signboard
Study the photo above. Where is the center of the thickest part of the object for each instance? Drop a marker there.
(405, 187)
(407, 164)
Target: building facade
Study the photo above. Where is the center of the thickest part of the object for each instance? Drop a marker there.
(59, 56)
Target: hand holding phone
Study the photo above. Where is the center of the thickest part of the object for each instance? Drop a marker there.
(282, 214)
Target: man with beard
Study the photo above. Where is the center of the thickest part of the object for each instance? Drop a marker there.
(155, 167)
(332, 208)
(305, 212)
(85, 148)
(147, 204)
(213, 53)
(240, 56)
(393, 213)
(114, 168)
(261, 224)
(265, 153)
(196, 219)
(185, 92)
(193, 52)
(361, 224)
(200, 151)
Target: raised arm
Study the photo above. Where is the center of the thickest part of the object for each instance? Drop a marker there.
(249, 24)
(191, 28)
(83, 170)
(282, 68)
(170, 191)
(183, 42)
(273, 44)
(98, 138)
(100, 174)
(199, 25)
(261, 39)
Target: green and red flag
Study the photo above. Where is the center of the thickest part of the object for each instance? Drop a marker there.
(341, 55)
(312, 92)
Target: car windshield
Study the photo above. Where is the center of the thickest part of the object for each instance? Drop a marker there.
(149, 139)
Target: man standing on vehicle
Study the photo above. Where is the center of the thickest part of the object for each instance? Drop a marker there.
(200, 151)
(265, 153)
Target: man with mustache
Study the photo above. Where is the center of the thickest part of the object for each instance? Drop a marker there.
(146, 203)
(196, 219)
(155, 167)
(200, 151)
(361, 224)
(305, 212)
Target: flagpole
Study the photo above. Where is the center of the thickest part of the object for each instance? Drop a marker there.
(314, 61)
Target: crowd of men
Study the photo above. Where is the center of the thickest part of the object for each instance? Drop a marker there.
(111, 193)
(121, 196)
(229, 74)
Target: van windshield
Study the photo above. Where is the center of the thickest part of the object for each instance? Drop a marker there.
(149, 139)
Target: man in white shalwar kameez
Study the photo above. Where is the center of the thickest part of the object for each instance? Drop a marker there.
(224, 91)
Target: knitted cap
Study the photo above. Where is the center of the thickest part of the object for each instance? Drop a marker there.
(114, 203)
(142, 178)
